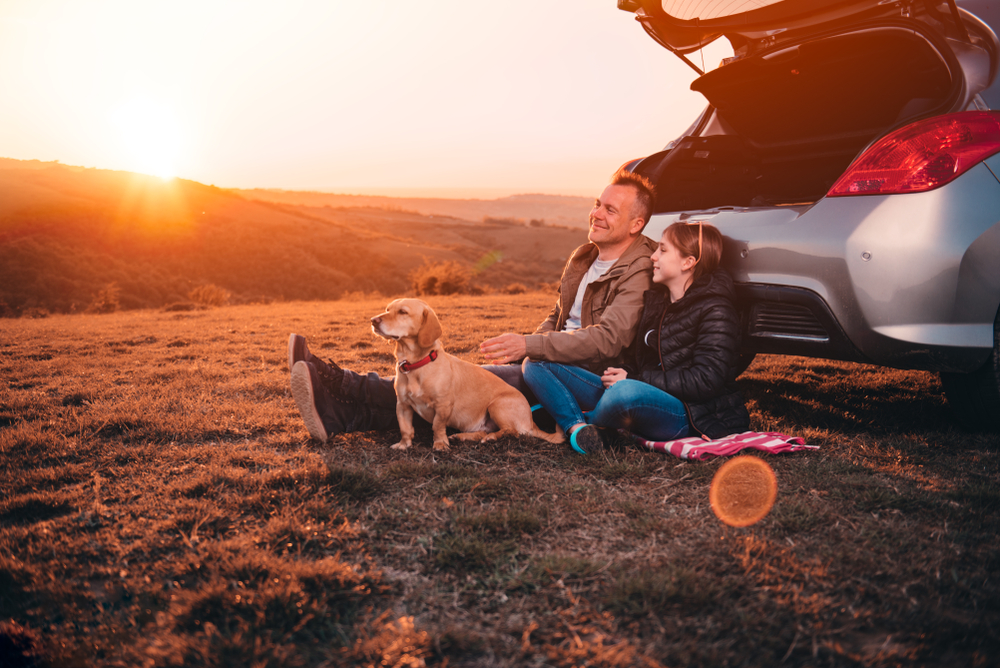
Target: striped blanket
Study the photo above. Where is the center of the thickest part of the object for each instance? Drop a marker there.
(698, 449)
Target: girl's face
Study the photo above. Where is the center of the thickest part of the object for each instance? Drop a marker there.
(668, 265)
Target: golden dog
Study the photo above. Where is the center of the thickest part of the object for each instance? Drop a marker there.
(444, 390)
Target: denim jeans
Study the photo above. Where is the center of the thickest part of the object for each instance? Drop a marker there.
(573, 395)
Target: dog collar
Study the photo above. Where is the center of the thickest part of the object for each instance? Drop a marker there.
(407, 367)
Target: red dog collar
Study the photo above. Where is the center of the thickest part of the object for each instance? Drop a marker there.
(406, 367)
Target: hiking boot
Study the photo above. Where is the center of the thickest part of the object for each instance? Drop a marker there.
(586, 440)
(325, 413)
(331, 375)
(298, 351)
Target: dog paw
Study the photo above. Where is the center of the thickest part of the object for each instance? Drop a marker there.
(441, 447)
(399, 446)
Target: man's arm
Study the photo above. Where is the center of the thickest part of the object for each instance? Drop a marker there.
(504, 348)
(511, 347)
(549, 324)
(603, 341)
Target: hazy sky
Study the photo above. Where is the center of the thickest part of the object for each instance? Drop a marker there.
(470, 97)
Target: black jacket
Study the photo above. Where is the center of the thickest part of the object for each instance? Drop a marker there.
(692, 352)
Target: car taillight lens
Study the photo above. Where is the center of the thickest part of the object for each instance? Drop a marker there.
(923, 155)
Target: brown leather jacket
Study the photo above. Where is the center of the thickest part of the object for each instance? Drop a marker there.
(611, 308)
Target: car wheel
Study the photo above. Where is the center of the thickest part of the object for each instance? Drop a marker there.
(974, 397)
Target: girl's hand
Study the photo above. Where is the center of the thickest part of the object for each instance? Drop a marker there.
(612, 375)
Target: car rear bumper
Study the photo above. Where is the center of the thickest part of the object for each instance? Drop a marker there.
(792, 321)
(907, 281)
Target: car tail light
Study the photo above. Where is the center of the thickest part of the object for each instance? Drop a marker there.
(923, 155)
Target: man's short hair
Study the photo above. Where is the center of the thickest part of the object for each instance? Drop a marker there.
(645, 191)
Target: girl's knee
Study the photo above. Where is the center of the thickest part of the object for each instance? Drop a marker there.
(623, 390)
(531, 368)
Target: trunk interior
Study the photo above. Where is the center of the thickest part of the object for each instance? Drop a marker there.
(789, 123)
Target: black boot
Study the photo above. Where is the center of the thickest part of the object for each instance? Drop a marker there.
(324, 413)
(298, 351)
(352, 402)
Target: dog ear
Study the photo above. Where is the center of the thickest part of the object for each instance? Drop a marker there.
(430, 329)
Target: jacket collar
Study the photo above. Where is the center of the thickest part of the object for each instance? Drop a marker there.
(642, 247)
(718, 283)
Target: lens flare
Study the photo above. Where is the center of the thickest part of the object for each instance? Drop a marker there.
(743, 491)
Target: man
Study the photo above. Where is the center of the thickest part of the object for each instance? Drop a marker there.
(593, 322)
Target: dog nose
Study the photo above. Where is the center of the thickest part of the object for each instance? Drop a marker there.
(376, 320)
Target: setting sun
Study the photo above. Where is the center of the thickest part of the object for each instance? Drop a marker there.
(149, 135)
(346, 97)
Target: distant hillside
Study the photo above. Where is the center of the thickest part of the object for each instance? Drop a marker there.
(67, 233)
(553, 209)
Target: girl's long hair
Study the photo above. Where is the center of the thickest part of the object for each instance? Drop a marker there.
(701, 241)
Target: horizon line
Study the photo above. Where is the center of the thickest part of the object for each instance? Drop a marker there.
(398, 192)
(435, 192)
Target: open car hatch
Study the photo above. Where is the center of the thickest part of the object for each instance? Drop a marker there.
(752, 26)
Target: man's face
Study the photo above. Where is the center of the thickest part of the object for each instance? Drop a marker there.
(611, 220)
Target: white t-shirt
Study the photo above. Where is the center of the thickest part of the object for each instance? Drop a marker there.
(596, 270)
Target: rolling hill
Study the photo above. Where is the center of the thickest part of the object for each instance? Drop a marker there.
(552, 209)
(68, 233)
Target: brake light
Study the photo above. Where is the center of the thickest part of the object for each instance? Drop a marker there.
(923, 155)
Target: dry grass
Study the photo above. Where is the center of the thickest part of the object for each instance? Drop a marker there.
(161, 504)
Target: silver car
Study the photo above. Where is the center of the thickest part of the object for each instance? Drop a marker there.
(849, 155)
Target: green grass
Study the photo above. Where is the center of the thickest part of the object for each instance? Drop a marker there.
(162, 504)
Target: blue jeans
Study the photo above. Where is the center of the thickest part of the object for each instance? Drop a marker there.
(573, 395)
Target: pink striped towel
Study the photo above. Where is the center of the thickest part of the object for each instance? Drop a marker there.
(698, 449)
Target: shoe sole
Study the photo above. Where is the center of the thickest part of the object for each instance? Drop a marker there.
(302, 392)
(586, 440)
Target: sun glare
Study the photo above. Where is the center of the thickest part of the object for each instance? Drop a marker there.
(149, 135)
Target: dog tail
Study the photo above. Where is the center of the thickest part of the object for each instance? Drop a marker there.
(557, 437)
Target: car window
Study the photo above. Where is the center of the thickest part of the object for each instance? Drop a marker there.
(687, 10)
(991, 96)
(989, 12)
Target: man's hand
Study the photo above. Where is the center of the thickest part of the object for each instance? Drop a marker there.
(505, 348)
(612, 375)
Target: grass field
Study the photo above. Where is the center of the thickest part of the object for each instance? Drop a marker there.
(161, 504)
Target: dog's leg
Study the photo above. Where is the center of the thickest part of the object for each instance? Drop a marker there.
(440, 426)
(404, 415)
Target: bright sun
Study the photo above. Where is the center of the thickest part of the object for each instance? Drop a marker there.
(150, 136)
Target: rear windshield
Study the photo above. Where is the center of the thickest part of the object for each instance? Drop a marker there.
(687, 10)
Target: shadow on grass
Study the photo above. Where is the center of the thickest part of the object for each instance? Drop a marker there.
(34, 508)
(838, 402)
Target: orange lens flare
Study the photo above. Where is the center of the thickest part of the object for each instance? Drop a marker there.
(743, 491)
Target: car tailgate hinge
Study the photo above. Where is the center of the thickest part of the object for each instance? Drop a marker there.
(769, 39)
(905, 8)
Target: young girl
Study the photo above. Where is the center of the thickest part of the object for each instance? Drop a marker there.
(682, 378)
